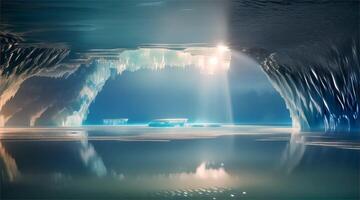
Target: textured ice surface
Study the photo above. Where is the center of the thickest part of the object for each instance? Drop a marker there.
(19, 62)
(321, 90)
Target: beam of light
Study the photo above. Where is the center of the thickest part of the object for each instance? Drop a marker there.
(215, 86)
(217, 62)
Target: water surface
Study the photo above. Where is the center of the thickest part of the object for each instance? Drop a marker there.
(230, 162)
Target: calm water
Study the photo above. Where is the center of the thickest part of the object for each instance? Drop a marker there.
(235, 162)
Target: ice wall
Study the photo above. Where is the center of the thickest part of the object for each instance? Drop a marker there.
(321, 88)
(76, 112)
(20, 61)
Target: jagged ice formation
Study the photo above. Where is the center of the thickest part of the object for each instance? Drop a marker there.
(19, 62)
(321, 90)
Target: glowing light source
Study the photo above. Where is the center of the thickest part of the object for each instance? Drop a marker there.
(217, 61)
(213, 60)
(221, 48)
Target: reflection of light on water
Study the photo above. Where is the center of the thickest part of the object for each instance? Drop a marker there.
(204, 182)
(202, 173)
(215, 87)
(118, 176)
(203, 179)
(203, 193)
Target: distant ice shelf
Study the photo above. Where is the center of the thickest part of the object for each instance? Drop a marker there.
(168, 122)
(206, 125)
(112, 122)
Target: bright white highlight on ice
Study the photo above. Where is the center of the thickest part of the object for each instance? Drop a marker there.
(210, 60)
(219, 61)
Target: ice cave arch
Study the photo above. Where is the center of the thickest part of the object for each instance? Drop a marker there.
(320, 86)
(321, 90)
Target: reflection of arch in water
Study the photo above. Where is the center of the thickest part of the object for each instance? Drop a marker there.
(298, 145)
(293, 153)
(91, 159)
(87, 155)
(9, 164)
